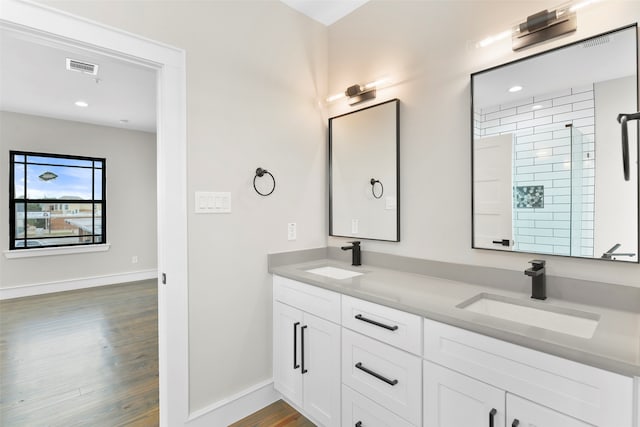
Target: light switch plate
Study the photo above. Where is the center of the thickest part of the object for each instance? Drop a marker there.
(355, 225)
(292, 232)
(212, 202)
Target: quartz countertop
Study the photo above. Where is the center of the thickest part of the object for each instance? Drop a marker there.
(614, 346)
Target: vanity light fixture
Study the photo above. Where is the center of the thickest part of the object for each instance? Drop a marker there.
(359, 93)
(492, 39)
(541, 26)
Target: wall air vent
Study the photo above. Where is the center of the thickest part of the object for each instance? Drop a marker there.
(596, 42)
(82, 67)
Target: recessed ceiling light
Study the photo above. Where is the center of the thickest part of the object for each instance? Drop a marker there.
(515, 89)
(82, 104)
(536, 107)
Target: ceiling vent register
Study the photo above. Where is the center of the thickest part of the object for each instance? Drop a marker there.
(82, 67)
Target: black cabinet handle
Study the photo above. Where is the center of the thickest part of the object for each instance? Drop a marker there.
(302, 328)
(503, 242)
(295, 345)
(515, 423)
(358, 424)
(375, 374)
(373, 322)
(492, 414)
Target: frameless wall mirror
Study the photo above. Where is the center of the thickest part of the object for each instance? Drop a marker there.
(547, 154)
(364, 173)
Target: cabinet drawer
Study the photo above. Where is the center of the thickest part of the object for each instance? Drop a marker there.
(388, 325)
(314, 300)
(358, 409)
(388, 376)
(590, 394)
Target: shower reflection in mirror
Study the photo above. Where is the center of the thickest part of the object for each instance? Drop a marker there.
(547, 171)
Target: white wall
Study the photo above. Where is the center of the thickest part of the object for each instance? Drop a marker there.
(255, 73)
(427, 48)
(131, 197)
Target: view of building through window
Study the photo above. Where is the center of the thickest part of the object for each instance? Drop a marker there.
(56, 200)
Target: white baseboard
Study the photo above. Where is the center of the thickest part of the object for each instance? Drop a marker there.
(236, 407)
(69, 285)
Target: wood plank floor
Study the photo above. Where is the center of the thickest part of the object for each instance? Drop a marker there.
(278, 414)
(80, 358)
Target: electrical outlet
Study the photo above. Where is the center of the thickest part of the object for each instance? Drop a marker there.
(292, 231)
(134, 259)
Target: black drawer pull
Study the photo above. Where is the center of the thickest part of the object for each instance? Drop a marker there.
(492, 414)
(302, 328)
(375, 374)
(515, 423)
(373, 322)
(295, 345)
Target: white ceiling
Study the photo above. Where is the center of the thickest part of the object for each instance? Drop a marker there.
(34, 80)
(325, 11)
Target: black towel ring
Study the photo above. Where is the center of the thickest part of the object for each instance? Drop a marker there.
(259, 174)
(373, 188)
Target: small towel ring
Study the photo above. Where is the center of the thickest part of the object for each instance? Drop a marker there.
(373, 188)
(259, 174)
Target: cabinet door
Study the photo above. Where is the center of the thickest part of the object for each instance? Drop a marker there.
(286, 352)
(454, 400)
(523, 413)
(321, 375)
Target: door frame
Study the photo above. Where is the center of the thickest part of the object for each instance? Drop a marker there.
(45, 23)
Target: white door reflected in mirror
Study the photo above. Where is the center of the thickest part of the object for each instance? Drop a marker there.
(566, 192)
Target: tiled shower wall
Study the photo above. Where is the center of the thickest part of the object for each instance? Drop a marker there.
(542, 156)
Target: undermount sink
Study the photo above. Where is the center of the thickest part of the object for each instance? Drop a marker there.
(334, 272)
(559, 319)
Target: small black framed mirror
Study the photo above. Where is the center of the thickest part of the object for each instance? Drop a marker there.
(364, 173)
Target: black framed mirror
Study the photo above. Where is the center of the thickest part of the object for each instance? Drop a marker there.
(547, 170)
(364, 173)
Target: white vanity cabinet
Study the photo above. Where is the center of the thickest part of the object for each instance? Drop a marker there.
(540, 389)
(347, 362)
(306, 350)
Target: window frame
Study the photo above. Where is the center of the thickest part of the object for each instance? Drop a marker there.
(13, 202)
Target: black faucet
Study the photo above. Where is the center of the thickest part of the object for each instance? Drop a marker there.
(355, 256)
(611, 253)
(538, 279)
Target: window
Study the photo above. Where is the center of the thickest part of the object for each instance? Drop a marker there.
(56, 200)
